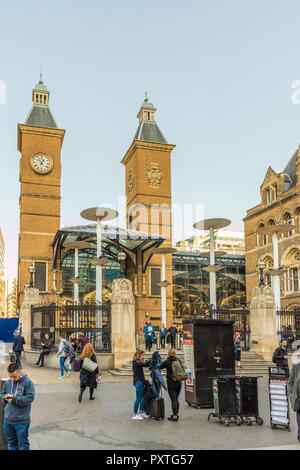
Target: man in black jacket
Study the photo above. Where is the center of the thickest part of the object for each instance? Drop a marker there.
(46, 349)
(18, 346)
(172, 331)
(280, 356)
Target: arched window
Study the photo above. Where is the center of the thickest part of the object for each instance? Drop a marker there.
(261, 238)
(292, 271)
(288, 220)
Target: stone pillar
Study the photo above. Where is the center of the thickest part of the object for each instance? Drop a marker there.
(122, 322)
(264, 339)
(31, 297)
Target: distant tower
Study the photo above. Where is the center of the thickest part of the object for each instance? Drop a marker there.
(39, 141)
(148, 191)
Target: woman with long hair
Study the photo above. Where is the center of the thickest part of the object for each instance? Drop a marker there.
(174, 388)
(237, 348)
(88, 379)
(138, 363)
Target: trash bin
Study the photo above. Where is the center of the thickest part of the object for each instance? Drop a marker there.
(225, 400)
(208, 352)
(247, 399)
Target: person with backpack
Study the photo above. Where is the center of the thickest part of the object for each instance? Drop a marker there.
(163, 333)
(175, 375)
(64, 350)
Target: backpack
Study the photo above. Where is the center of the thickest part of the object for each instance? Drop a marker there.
(68, 348)
(178, 371)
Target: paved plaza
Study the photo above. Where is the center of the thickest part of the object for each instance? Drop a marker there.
(60, 422)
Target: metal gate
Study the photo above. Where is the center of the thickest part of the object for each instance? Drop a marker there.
(67, 319)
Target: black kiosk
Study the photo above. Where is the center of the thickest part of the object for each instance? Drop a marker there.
(208, 352)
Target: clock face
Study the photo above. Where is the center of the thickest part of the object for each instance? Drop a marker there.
(41, 163)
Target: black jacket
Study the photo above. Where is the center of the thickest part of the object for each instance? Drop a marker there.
(279, 357)
(88, 379)
(167, 364)
(138, 371)
(172, 331)
(19, 341)
(48, 345)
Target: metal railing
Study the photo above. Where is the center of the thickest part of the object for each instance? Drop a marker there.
(71, 319)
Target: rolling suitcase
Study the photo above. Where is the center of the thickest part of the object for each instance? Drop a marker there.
(76, 365)
(157, 408)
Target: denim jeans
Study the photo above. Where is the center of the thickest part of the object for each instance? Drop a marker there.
(62, 361)
(140, 398)
(16, 436)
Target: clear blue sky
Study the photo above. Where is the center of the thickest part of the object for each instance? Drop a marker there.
(219, 72)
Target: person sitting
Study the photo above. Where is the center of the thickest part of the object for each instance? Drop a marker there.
(47, 345)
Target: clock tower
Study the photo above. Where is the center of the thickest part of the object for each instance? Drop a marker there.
(39, 142)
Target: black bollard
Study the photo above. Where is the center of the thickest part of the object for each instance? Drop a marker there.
(3, 441)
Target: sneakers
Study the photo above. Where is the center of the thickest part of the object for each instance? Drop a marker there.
(137, 417)
(68, 373)
(144, 415)
(60, 377)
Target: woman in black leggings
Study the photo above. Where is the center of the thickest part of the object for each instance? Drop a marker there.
(174, 388)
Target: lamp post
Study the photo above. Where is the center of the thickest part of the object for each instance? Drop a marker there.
(261, 266)
(211, 225)
(121, 258)
(99, 214)
(31, 269)
(76, 246)
(163, 284)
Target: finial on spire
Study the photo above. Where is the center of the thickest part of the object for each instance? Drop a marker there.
(41, 78)
(146, 96)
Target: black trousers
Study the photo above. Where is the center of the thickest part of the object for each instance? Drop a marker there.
(41, 358)
(83, 387)
(163, 341)
(173, 341)
(149, 343)
(174, 390)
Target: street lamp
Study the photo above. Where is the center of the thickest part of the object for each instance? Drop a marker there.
(31, 269)
(261, 266)
(121, 258)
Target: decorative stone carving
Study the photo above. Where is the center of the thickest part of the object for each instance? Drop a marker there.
(122, 321)
(31, 297)
(154, 175)
(130, 180)
(263, 327)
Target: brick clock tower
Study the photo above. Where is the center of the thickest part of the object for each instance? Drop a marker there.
(148, 192)
(39, 142)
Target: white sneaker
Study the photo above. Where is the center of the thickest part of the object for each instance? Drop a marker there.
(144, 415)
(137, 417)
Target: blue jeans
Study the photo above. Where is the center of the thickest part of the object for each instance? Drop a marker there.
(140, 398)
(62, 361)
(16, 436)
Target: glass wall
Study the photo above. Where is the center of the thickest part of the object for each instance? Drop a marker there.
(87, 272)
(191, 284)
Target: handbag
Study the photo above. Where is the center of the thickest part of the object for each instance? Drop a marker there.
(89, 365)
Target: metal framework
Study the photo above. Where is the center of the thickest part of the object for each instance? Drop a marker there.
(289, 325)
(67, 319)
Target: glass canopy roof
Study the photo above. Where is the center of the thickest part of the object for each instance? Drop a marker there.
(114, 240)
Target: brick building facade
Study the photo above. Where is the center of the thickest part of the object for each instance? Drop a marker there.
(280, 203)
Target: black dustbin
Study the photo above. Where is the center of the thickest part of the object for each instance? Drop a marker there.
(247, 399)
(208, 352)
(225, 399)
